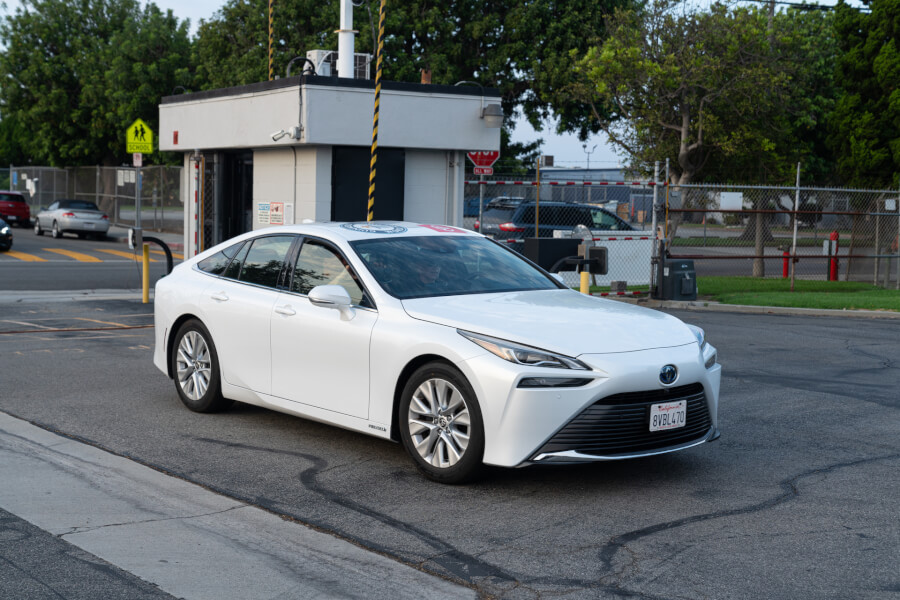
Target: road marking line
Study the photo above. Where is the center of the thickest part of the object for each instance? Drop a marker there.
(27, 324)
(26, 257)
(76, 255)
(132, 256)
(101, 322)
(174, 254)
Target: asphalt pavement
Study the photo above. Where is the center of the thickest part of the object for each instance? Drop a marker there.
(111, 489)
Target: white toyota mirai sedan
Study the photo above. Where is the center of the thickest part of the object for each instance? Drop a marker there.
(436, 337)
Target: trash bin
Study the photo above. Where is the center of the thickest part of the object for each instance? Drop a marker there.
(679, 280)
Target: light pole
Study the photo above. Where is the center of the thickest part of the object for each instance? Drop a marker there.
(584, 147)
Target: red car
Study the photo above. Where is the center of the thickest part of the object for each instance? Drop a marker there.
(14, 209)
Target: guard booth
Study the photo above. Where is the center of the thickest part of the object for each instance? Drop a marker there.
(284, 151)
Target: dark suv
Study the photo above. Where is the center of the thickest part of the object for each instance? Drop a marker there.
(14, 209)
(515, 221)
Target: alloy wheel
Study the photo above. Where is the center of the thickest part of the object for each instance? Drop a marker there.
(193, 365)
(439, 423)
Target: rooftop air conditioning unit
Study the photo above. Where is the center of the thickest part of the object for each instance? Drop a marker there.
(326, 63)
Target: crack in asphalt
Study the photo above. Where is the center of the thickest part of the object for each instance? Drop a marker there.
(75, 530)
(789, 492)
(886, 362)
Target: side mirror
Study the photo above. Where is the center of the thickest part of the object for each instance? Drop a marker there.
(332, 296)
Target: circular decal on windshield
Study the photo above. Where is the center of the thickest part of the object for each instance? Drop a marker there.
(374, 228)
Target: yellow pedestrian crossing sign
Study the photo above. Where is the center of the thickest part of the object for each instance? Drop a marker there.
(139, 138)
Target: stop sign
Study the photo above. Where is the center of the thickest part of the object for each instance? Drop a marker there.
(484, 159)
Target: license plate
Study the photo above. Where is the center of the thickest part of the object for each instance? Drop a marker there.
(669, 415)
(88, 225)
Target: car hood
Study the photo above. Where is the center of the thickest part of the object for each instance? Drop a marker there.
(561, 321)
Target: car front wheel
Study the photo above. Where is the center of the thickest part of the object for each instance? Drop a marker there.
(195, 366)
(37, 227)
(441, 424)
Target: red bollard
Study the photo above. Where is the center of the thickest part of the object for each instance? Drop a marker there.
(833, 266)
(786, 267)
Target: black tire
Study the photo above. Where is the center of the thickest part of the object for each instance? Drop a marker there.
(55, 233)
(37, 228)
(195, 369)
(450, 424)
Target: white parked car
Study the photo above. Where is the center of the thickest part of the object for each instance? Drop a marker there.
(436, 337)
(81, 217)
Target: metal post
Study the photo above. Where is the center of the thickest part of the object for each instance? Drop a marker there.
(481, 205)
(379, 58)
(537, 204)
(654, 256)
(794, 242)
(878, 211)
(97, 188)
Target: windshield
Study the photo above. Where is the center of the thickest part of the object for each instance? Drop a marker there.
(421, 267)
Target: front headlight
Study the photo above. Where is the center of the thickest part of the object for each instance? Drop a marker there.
(523, 355)
(708, 352)
(5, 230)
(700, 335)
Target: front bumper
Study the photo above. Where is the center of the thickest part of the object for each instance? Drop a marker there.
(521, 423)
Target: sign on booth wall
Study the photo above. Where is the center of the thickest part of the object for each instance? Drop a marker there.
(274, 213)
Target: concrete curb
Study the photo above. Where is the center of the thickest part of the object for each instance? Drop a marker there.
(701, 305)
(14, 297)
(188, 541)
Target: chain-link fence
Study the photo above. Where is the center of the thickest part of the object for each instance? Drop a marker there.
(113, 189)
(840, 234)
(617, 215)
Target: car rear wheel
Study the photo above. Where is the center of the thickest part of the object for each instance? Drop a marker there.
(441, 425)
(55, 233)
(37, 227)
(195, 366)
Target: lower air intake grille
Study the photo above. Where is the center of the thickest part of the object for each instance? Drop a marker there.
(620, 424)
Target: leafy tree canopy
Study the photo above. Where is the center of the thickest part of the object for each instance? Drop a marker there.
(78, 72)
(865, 124)
(521, 48)
(722, 93)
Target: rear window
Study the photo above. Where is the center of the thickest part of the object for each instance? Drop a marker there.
(217, 263)
(78, 204)
(498, 215)
(12, 197)
(567, 216)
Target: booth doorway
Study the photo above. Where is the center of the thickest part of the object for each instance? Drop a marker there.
(237, 194)
(350, 183)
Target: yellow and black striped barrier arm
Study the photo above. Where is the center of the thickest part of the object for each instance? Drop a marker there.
(378, 61)
(271, 38)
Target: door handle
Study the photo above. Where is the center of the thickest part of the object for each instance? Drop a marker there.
(221, 297)
(285, 310)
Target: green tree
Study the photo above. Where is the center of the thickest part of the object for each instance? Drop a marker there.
(77, 73)
(865, 124)
(520, 47)
(719, 92)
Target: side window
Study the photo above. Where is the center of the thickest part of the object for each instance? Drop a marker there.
(217, 263)
(604, 220)
(54, 206)
(264, 260)
(319, 265)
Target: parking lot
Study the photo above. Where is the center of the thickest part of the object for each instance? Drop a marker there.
(796, 500)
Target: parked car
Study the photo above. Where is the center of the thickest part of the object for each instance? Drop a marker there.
(516, 221)
(14, 209)
(6, 236)
(435, 337)
(80, 217)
